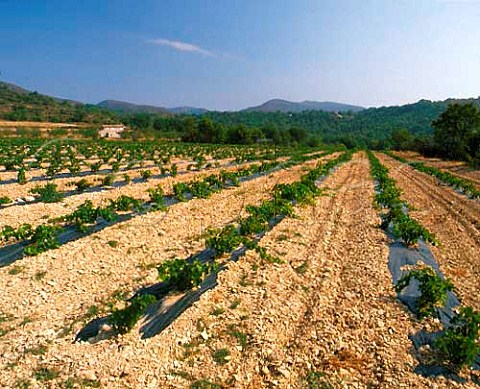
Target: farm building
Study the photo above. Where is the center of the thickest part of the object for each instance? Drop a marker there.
(111, 131)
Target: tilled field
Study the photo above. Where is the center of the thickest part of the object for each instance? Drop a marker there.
(326, 316)
(460, 169)
(37, 212)
(453, 218)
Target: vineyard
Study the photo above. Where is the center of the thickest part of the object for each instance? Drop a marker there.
(144, 264)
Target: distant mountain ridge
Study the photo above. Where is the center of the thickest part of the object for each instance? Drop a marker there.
(127, 108)
(124, 107)
(279, 105)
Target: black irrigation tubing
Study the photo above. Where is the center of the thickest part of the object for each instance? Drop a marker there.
(401, 255)
(157, 321)
(13, 252)
(120, 184)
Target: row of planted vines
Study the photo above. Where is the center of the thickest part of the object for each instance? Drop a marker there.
(185, 265)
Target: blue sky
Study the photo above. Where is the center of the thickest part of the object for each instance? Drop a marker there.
(230, 54)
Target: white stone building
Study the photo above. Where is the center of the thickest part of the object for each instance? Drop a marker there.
(111, 131)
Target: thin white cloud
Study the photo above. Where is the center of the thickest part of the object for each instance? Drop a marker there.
(181, 46)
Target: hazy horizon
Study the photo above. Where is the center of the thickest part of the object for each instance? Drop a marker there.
(237, 54)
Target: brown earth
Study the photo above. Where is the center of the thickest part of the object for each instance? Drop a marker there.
(453, 218)
(46, 294)
(327, 313)
(457, 168)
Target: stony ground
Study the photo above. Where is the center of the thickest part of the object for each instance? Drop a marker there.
(460, 169)
(453, 218)
(327, 316)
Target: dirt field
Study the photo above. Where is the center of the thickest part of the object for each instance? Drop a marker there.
(457, 168)
(327, 316)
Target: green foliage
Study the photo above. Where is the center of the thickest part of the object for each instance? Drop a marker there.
(82, 185)
(22, 177)
(299, 192)
(84, 215)
(146, 174)
(123, 320)
(179, 190)
(156, 197)
(46, 374)
(459, 345)
(48, 193)
(433, 290)
(204, 384)
(95, 166)
(108, 180)
(185, 275)
(44, 238)
(32, 106)
(410, 231)
(24, 231)
(221, 356)
(252, 225)
(224, 240)
(457, 132)
(126, 203)
(388, 196)
(173, 170)
(5, 200)
(317, 380)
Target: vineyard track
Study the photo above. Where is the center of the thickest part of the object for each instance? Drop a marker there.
(349, 324)
(38, 212)
(453, 218)
(88, 271)
(459, 169)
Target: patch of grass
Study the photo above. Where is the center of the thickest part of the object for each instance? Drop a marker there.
(302, 269)
(92, 311)
(39, 275)
(45, 374)
(221, 356)
(5, 331)
(112, 243)
(38, 350)
(204, 384)
(182, 374)
(25, 320)
(217, 311)
(71, 383)
(16, 270)
(316, 380)
(4, 317)
(22, 384)
(235, 303)
(119, 294)
(244, 280)
(282, 237)
(243, 338)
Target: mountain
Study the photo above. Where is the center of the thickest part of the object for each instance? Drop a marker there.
(127, 108)
(278, 105)
(19, 104)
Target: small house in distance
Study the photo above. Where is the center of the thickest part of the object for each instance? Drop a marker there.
(111, 131)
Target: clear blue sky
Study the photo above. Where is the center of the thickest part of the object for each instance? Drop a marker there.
(230, 54)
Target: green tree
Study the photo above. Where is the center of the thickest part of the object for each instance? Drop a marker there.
(455, 131)
(402, 139)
